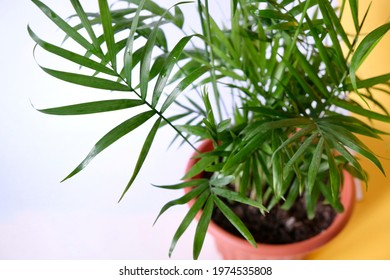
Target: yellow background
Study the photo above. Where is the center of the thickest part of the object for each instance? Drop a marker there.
(367, 235)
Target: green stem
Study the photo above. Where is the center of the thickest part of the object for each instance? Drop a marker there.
(157, 112)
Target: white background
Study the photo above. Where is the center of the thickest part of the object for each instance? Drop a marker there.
(41, 218)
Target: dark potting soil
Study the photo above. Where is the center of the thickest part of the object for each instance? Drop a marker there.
(278, 226)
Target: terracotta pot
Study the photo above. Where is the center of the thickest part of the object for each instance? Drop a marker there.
(232, 247)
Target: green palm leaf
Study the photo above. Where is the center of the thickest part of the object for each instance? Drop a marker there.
(111, 137)
(143, 154)
(71, 56)
(108, 31)
(64, 26)
(364, 49)
(93, 107)
(85, 80)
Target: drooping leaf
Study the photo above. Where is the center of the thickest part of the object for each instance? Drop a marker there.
(201, 228)
(64, 26)
(93, 107)
(315, 165)
(333, 34)
(311, 198)
(327, 193)
(370, 82)
(165, 72)
(143, 154)
(301, 150)
(128, 56)
(360, 110)
(235, 221)
(185, 184)
(277, 167)
(232, 195)
(71, 56)
(108, 31)
(189, 217)
(352, 142)
(355, 13)
(199, 167)
(221, 181)
(337, 23)
(306, 130)
(111, 137)
(86, 24)
(334, 174)
(194, 193)
(85, 80)
(187, 81)
(147, 55)
(365, 48)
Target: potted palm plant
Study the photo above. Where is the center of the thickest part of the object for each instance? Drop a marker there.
(268, 91)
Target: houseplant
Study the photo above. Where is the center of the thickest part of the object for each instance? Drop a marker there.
(268, 88)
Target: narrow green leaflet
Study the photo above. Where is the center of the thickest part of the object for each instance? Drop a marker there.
(166, 70)
(323, 51)
(235, 221)
(64, 26)
(306, 130)
(365, 48)
(360, 110)
(242, 154)
(85, 80)
(336, 204)
(222, 181)
(200, 166)
(128, 56)
(263, 126)
(332, 31)
(311, 198)
(188, 219)
(315, 165)
(292, 195)
(108, 31)
(201, 228)
(302, 80)
(86, 24)
(71, 56)
(334, 174)
(93, 107)
(370, 82)
(186, 184)
(156, 10)
(302, 149)
(353, 125)
(352, 142)
(337, 23)
(178, 18)
(277, 167)
(187, 81)
(245, 178)
(194, 193)
(144, 152)
(147, 59)
(193, 130)
(147, 55)
(313, 74)
(274, 14)
(111, 137)
(347, 155)
(355, 13)
(232, 195)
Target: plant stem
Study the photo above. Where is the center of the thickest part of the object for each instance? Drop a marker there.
(157, 112)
